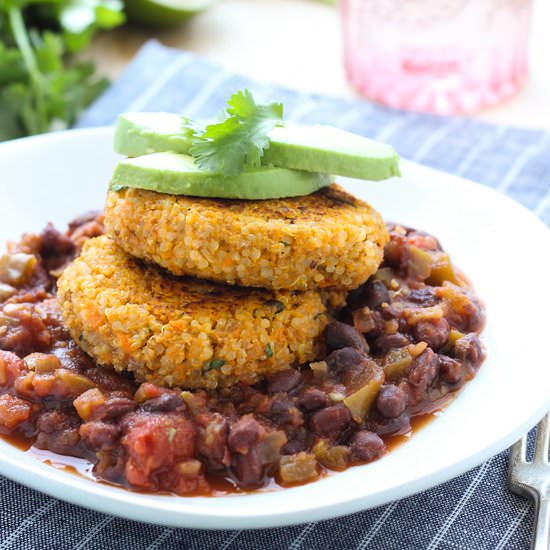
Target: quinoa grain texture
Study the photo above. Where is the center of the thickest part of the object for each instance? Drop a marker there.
(183, 331)
(328, 239)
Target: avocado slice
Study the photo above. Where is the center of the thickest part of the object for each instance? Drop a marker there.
(177, 174)
(138, 134)
(331, 150)
(310, 148)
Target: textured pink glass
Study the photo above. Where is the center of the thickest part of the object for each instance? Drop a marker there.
(440, 56)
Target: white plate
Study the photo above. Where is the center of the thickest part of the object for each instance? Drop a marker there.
(499, 244)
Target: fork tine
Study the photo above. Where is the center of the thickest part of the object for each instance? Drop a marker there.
(517, 452)
(542, 442)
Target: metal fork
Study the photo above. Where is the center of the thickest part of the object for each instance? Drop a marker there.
(532, 479)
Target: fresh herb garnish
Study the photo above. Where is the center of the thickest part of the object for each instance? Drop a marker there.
(38, 88)
(269, 350)
(213, 364)
(239, 141)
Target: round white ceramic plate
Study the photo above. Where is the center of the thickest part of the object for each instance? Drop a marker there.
(499, 244)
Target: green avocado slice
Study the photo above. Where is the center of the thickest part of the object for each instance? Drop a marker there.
(138, 134)
(310, 148)
(177, 174)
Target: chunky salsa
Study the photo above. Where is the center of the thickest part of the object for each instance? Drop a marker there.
(406, 340)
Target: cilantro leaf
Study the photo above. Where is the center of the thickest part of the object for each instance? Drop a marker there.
(239, 141)
(40, 86)
(79, 20)
(213, 364)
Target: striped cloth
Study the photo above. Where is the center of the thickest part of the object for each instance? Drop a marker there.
(472, 512)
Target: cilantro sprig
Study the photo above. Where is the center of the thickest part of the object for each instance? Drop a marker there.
(237, 142)
(40, 86)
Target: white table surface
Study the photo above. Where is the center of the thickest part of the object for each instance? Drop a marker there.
(297, 43)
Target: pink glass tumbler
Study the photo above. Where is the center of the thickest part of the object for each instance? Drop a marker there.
(439, 56)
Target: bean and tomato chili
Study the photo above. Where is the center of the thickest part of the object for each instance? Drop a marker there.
(407, 339)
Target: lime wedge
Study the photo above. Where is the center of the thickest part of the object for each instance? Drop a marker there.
(164, 12)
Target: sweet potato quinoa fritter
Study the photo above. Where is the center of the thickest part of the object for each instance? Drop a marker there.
(183, 331)
(328, 239)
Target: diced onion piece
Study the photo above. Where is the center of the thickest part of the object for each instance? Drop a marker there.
(191, 402)
(87, 402)
(336, 396)
(397, 362)
(442, 271)
(417, 349)
(420, 263)
(270, 447)
(6, 291)
(16, 269)
(454, 335)
(384, 274)
(416, 315)
(320, 369)
(191, 467)
(360, 402)
(42, 362)
(298, 468)
(146, 391)
(334, 458)
(71, 383)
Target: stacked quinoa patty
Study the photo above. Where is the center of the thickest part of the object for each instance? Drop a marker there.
(132, 301)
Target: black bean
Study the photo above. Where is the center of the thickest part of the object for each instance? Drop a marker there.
(244, 434)
(58, 432)
(100, 435)
(212, 441)
(294, 446)
(54, 243)
(434, 332)
(376, 294)
(470, 349)
(391, 401)
(344, 359)
(391, 312)
(423, 372)
(424, 296)
(383, 426)
(367, 446)
(355, 298)
(283, 411)
(248, 468)
(113, 408)
(313, 399)
(450, 369)
(396, 252)
(383, 344)
(330, 420)
(284, 381)
(166, 402)
(340, 335)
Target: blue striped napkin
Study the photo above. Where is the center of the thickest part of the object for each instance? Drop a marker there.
(472, 512)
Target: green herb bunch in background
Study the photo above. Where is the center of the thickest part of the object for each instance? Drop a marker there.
(41, 86)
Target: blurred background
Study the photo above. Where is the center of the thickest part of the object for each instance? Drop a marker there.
(441, 56)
